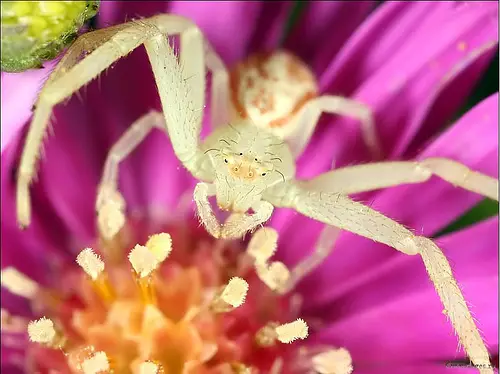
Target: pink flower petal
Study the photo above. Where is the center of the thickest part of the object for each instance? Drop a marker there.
(426, 207)
(470, 253)
(406, 85)
(391, 367)
(38, 236)
(13, 353)
(227, 25)
(413, 328)
(163, 177)
(431, 206)
(323, 28)
(270, 26)
(20, 91)
(377, 40)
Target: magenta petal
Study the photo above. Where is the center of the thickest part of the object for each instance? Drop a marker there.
(228, 25)
(162, 177)
(46, 232)
(376, 41)
(413, 328)
(451, 39)
(70, 182)
(469, 251)
(270, 26)
(426, 207)
(116, 12)
(323, 28)
(20, 91)
(431, 206)
(13, 353)
(390, 367)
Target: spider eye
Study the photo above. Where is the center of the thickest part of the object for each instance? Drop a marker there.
(263, 174)
(250, 174)
(241, 154)
(236, 169)
(225, 160)
(255, 159)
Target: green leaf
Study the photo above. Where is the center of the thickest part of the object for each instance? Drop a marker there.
(484, 210)
(37, 31)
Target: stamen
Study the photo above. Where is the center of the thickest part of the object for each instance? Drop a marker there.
(263, 244)
(149, 367)
(94, 267)
(96, 364)
(275, 276)
(90, 263)
(292, 331)
(144, 263)
(232, 296)
(143, 260)
(160, 245)
(18, 283)
(235, 292)
(42, 331)
(333, 361)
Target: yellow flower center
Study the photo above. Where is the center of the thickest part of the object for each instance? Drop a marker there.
(176, 302)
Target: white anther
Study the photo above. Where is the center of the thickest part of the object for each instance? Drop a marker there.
(96, 364)
(18, 283)
(148, 367)
(143, 260)
(333, 361)
(235, 292)
(160, 245)
(292, 331)
(90, 263)
(263, 244)
(42, 331)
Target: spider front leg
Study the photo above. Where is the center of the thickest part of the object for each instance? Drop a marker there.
(377, 175)
(237, 224)
(106, 46)
(369, 177)
(312, 110)
(202, 192)
(338, 210)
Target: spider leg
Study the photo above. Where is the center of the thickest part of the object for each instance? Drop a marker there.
(312, 110)
(202, 192)
(78, 67)
(69, 76)
(373, 176)
(107, 190)
(238, 224)
(219, 106)
(338, 210)
(368, 177)
(322, 249)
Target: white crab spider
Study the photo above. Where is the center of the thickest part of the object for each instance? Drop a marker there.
(245, 165)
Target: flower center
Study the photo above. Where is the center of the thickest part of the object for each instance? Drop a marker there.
(181, 302)
(271, 88)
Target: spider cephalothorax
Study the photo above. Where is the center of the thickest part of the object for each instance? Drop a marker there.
(259, 172)
(246, 160)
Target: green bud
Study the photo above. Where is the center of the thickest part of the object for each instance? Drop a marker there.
(36, 31)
